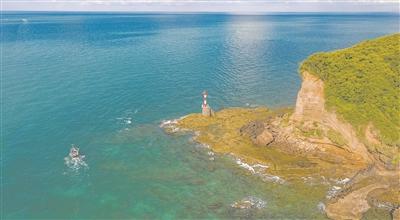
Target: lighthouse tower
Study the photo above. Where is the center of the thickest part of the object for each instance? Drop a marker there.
(205, 108)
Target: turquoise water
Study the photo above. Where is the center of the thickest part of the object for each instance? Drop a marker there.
(106, 81)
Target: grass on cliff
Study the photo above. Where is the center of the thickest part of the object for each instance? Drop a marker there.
(362, 84)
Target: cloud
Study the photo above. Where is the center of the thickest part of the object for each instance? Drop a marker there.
(205, 5)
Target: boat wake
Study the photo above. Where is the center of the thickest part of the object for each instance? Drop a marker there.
(74, 160)
(75, 163)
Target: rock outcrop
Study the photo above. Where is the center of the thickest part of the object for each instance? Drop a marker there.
(310, 103)
(311, 110)
(264, 138)
(258, 133)
(310, 107)
(357, 200)
(317, 139)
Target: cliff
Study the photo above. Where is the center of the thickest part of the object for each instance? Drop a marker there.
(310, 109)
(345, 126)
(355, 92)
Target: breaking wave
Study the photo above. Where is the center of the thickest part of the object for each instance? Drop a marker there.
(259, 170)
(171, 126)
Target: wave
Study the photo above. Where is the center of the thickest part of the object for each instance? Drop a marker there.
(171, 126)
(125, 120)
(252, 105)
(259, 170)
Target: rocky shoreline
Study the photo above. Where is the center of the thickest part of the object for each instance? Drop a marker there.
(273, 141)
(313, 141)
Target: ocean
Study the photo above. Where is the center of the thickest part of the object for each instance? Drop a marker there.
(106, 81)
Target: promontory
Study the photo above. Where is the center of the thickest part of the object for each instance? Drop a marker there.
(345, 125)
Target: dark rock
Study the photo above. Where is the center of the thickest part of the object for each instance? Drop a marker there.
(258, 133)
(264, 138)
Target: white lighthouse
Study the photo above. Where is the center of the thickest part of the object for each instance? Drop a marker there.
(205, 108)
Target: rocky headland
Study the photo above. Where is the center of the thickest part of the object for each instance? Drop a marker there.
(326, 137)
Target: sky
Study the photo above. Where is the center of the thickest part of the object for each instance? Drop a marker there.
(228, 6)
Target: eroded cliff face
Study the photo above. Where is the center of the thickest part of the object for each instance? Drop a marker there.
(310, 108)
(355, 200)
(310, 103)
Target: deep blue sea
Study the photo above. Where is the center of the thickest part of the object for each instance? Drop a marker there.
(106, 81)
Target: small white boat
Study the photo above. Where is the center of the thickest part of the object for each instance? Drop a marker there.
(74, 152)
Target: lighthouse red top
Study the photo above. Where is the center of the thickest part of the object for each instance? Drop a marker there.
(205, 94)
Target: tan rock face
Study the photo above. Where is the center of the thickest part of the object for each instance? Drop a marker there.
(310, 103)
(310, 106)
(396, 214)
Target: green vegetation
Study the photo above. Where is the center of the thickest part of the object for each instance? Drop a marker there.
(362, 84)
(311, 132)
(336, 137)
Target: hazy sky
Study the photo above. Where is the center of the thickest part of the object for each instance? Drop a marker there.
(233, 6)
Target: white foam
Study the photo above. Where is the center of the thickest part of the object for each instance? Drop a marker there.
(385, 205)
(125, 120)
(166, 123)
(75, 163)
(321, 207)
(343, 181)
(249, 202)
(333, 191)
(171, 126)
(205, 146)
(272, 178)
(261, 166)
(259, 170)
(245, 165)
(313, 181)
